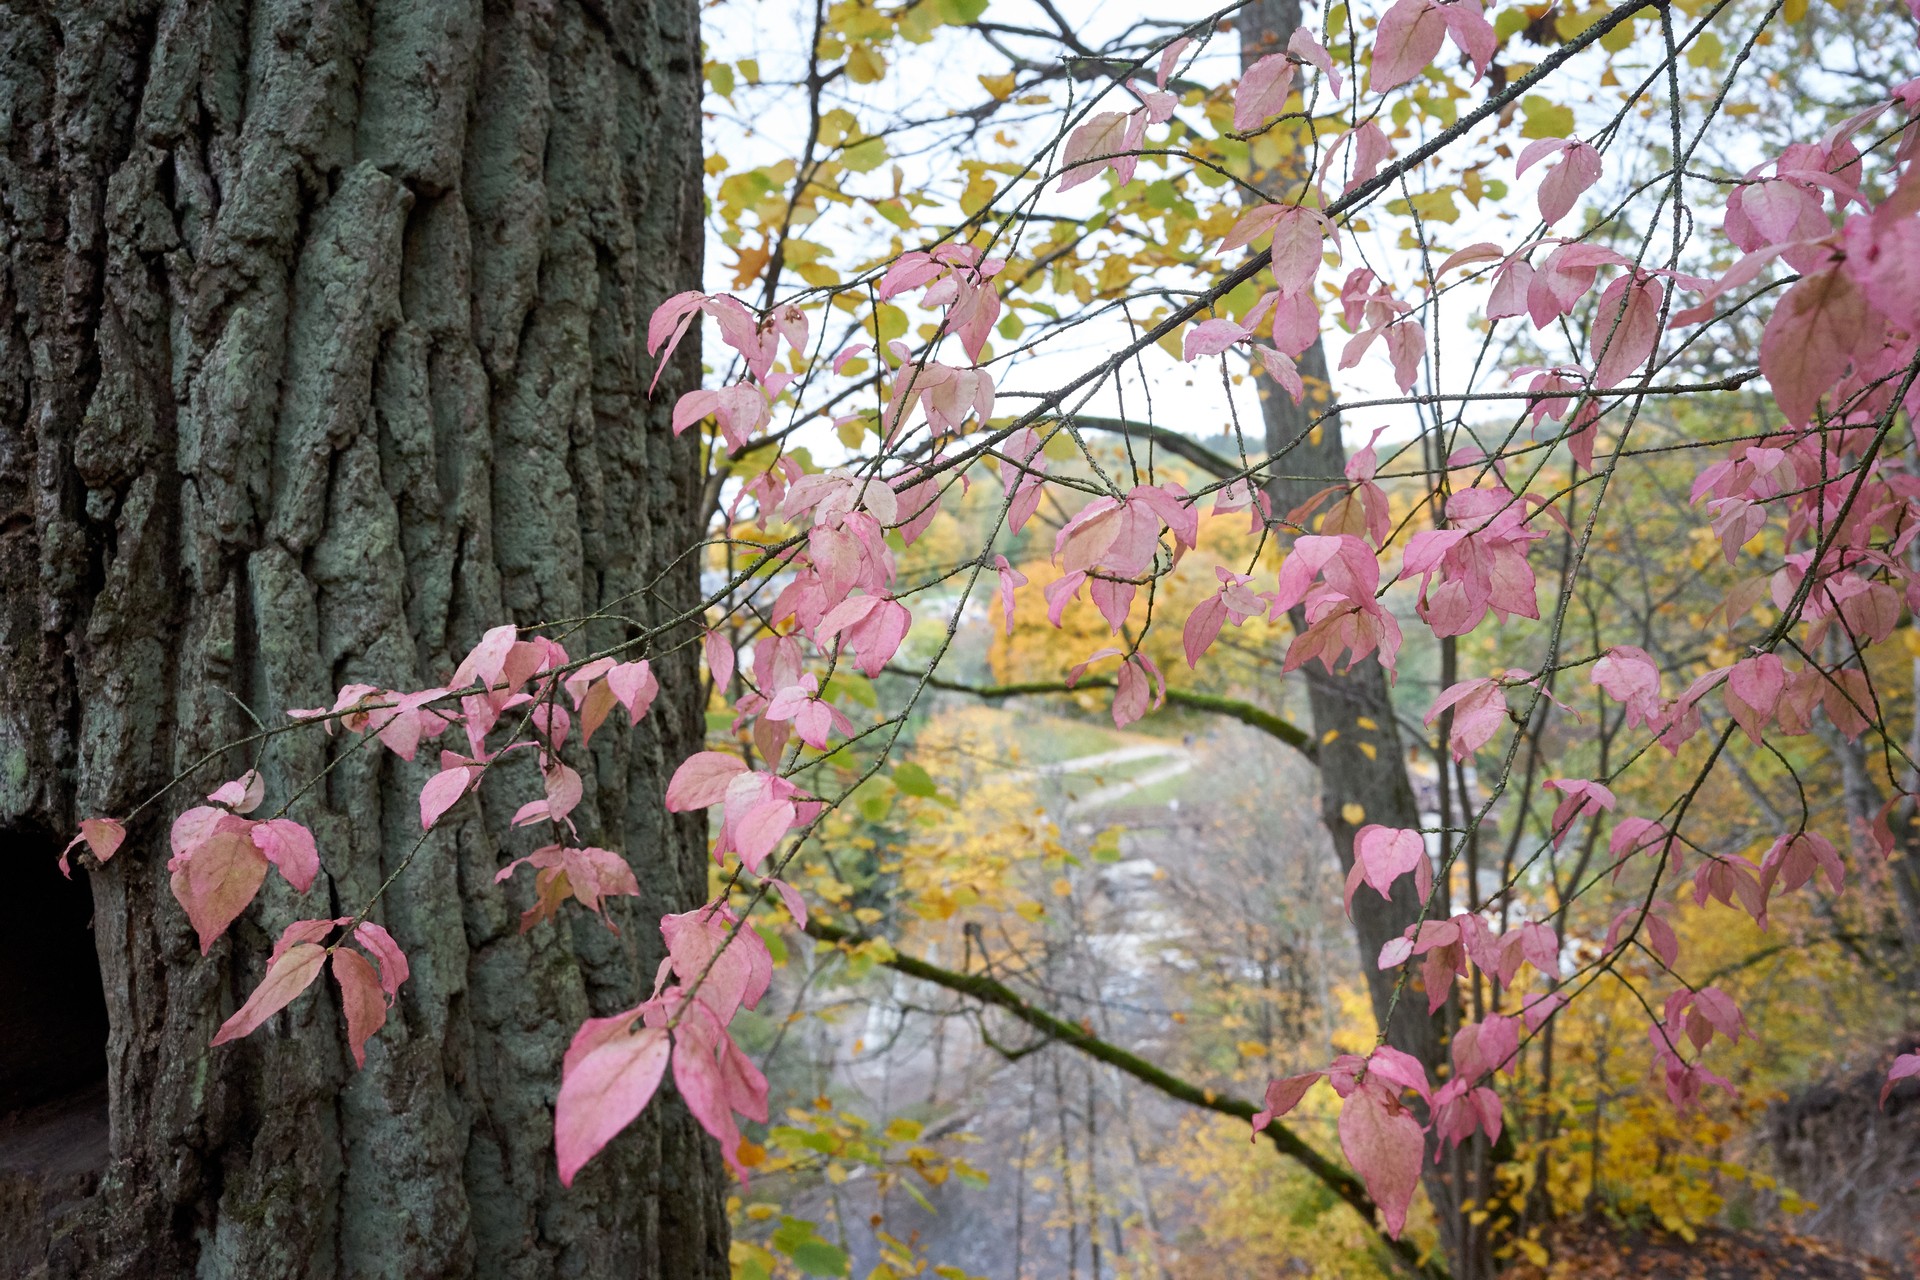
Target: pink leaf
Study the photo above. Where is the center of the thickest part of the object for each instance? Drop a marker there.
(1210, 338)
(1810, 338)
(360, 996)
(1010, 578)
(1168, 57)
(1298, 237)
(736, 962)
(1406, 343)
(1202, 627)
(668, 324)
(1384, 854)
(1281, 368)
(1263, 91)
(393, 961)
(1407, 41)
(1098, 144)
(634, 686)
(488, 660)
(286, 978)
(1472, 33)
(1479, 709)
(611, 1072)
(796, 905)
(1625, 332)
(1482, 252)
(1304, 46)
(701, 780)
(1384, 1145)
(719, 659)
(1398, 1067)
(103, 836)
(1579, 168)
(217, 880)
(442, 791)
(288, 846)
(1283, 1096)
(1905, 1067)
(303, 931)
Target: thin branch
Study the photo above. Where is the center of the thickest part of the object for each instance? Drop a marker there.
(1245, 712)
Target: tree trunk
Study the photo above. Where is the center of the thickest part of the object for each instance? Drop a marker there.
(321, 351)
(1362, 760)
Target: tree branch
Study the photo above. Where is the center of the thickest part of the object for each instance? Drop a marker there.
(1341, 1182)
(1166, 438)
(1245, 712)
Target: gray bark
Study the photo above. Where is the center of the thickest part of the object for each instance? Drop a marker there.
(321, 351)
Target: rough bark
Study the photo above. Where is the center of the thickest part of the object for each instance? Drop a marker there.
(321, 351)
(1361, 757)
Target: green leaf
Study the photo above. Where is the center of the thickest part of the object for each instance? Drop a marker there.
(1545, 119)
(913, 780)
(796, 1237)
(1706, 50)
(818, 1258)
(865, 155)
(961, 12)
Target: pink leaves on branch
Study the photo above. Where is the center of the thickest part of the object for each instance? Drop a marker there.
(1411, 32)
(758, 808)
(1108, 140)
(1138, 687)
(1479, 709)
(220, 858)
(1481, 562)
(367, 988)
(1447, 946)
(1382, 855)
(1335, 579)
(614, 1065)
(1384, 1144)
(1624, 332)
(1577, 798)
(1110, 544)
(608, 1076)
(1378, 1134)
(1577, 167)
(957, 277)
(589, 875)
(1234, 602)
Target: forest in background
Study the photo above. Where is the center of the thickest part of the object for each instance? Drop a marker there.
(1123, 566)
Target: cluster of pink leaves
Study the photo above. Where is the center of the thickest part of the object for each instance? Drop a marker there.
(1836, 337)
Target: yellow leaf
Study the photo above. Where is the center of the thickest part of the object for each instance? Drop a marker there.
(1001, 87)
(1062, 887)
(865, 65)
(979, 190)
(1545, 119)
(1352, 814)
